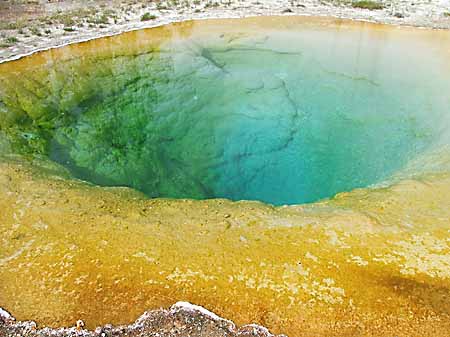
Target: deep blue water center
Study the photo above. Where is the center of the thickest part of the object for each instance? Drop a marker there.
(282, 116)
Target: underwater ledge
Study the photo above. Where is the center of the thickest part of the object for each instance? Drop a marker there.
(371, 259)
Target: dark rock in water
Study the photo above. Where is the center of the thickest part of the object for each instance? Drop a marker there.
(182, 319)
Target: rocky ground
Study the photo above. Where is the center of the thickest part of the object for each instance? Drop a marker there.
(182, 319)
(27, 26)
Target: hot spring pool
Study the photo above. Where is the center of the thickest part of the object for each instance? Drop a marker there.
(261, 113)
(346, 122)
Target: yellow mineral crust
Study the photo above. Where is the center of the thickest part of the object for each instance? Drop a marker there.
(372, 262)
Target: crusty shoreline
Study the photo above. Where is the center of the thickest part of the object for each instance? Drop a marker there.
(401, 13)
(181, 319)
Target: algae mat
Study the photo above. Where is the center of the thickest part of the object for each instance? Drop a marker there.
(369, 261)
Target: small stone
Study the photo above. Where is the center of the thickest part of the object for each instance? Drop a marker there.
(5, 316)
(80, 325)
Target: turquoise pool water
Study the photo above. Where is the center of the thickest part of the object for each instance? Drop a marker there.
(280, 114)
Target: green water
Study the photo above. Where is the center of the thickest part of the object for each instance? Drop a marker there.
(280, 115)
